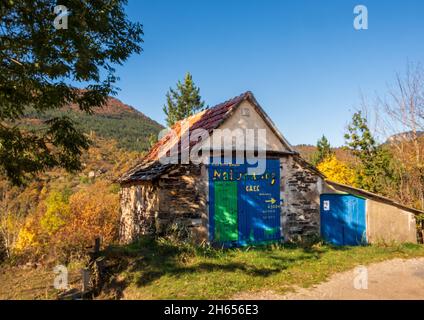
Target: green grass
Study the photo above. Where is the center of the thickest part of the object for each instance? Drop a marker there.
(161, 269)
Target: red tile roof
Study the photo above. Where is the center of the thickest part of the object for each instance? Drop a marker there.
(208, 120)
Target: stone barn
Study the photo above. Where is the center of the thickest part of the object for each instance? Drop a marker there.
(227, 175)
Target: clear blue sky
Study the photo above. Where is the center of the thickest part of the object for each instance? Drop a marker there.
(303, 60)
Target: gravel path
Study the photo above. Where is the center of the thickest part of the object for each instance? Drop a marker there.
(393, 279)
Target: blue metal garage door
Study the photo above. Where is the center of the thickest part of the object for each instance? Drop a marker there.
(343, 219)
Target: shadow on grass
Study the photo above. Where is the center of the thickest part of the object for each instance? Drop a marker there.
(148, 260)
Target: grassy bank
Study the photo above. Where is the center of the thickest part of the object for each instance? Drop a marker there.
(164, 270)
(161, 269)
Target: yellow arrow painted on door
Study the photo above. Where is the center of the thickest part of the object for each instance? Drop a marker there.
(272, 201)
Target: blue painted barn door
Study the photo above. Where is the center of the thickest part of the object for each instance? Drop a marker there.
(259, 208)
(343, 219)
(258, 202)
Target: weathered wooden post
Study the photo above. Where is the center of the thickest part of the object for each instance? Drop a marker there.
(97, 245)
(85, 276)
(95, 267)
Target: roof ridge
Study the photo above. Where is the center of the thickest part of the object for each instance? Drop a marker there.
(244, 95)
(240, 96)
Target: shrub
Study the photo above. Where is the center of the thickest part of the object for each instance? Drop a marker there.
(64, 225)
(57, 212)
(95, 212)
(337, 171)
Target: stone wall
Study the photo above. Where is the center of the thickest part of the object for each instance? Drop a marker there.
(139, 206)
(176, 198)
(300, 193)
(183, 200)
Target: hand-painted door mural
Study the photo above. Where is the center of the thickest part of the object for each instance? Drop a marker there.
(244, 208)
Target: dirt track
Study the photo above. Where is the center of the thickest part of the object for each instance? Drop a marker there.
(393, 279)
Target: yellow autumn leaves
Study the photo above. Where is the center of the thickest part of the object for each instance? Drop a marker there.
(337, 170)
(73, 221)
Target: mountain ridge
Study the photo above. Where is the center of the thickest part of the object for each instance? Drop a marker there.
(116, 120)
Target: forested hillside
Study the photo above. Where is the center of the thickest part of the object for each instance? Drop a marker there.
(307, 151)
(116, 120)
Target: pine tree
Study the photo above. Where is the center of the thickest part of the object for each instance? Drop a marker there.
(376, 172)
(182, 102)
(359, 138)
(323, 151)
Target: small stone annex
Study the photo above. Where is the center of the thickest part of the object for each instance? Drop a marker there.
(221, 201)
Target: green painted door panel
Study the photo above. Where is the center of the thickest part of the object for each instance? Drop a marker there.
(226, 226)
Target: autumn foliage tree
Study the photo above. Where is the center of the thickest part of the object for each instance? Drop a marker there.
(402, 113)
(66, 224)
(337, 171)
(15, 203)
(94, 213)
(57, 212)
